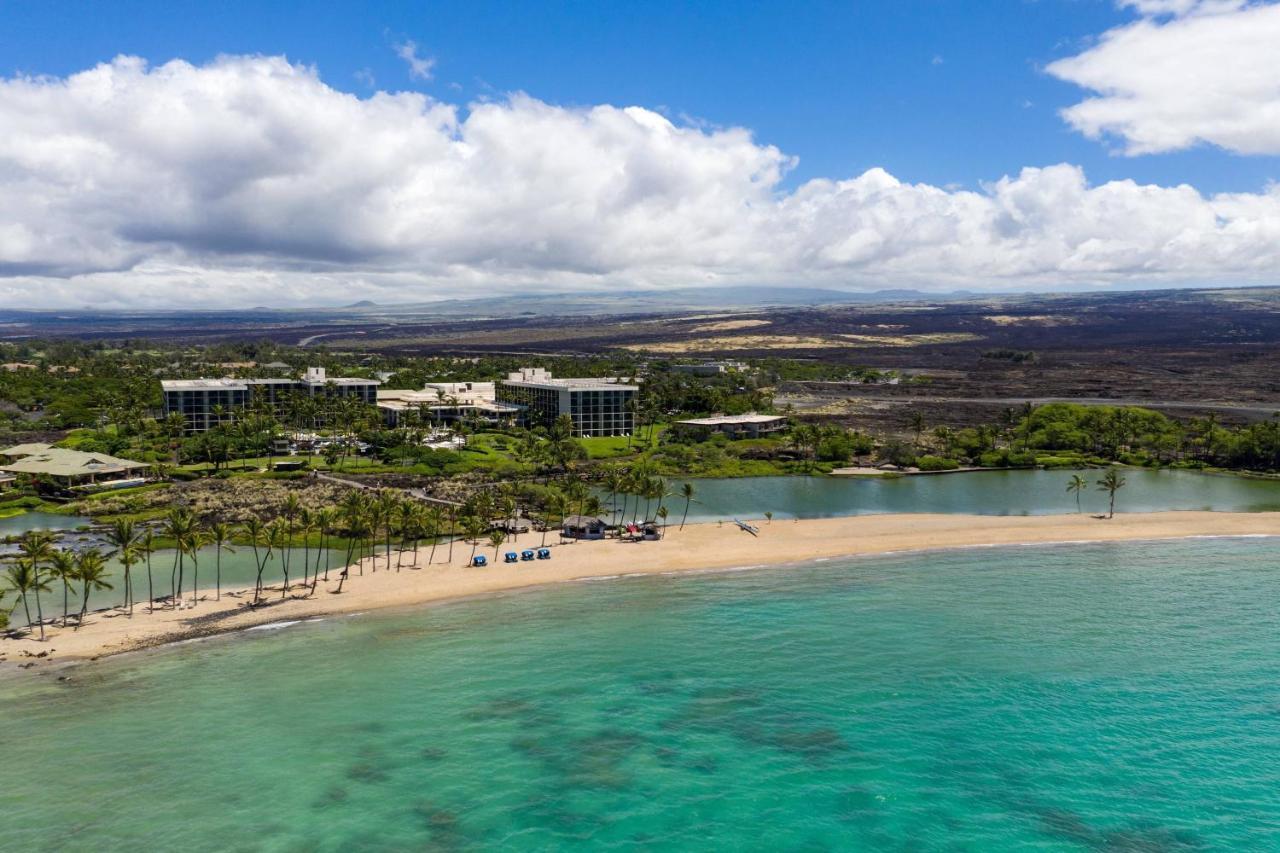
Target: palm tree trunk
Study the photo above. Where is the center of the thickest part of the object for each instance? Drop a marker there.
(173, 576)
(151, 591)
(39, 612)
(218, 571)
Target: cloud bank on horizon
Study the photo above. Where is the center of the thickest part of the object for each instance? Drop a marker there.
(250, 181)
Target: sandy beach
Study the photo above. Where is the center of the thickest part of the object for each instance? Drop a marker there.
(698, 547)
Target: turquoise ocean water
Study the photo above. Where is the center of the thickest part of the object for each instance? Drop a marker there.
(1085, 697)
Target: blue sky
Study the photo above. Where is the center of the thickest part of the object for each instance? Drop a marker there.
(936, 91)
(204, 154)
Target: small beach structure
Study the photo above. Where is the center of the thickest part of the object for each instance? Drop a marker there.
(583, 527)
(526, 555)
(510, 557)
(479, 560)
(752, 529)
(544, 553)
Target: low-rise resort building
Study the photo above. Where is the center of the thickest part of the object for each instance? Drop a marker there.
(71, 468)
(735, 426)
(203, 403)
(710, 368)
(444, 403)
(603, 406)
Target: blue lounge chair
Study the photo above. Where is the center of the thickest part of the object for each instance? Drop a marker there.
(510, 557)
(526, 555)
(479, 560)
(544, 553)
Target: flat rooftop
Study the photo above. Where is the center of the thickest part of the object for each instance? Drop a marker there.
(203, 384)
(337, 381)
(576, 384)
(537, 377)
(720, 420)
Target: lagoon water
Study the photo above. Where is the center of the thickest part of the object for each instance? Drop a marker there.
(983, 492)
(1074, 698)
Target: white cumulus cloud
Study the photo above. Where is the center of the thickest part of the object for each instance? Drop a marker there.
(1188, 72)
(420, 67)
(250, 181)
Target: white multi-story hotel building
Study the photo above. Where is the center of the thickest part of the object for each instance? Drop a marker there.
(205, 402)
(597, 406)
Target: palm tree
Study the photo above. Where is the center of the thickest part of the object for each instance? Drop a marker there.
(196, 539)
(148, 547)
(62, 565)
(1077, 484)
(473, 528)
(432, 518)
(615, 480)
(124, 538)
(36, 546)
(220, 534)
(254, 531)
(177, 526)
(662, 514)
(686, 492)
(23, 577)
(306, 526)
(496, 538)
(768, 516)
(292, 506)
(558, 503)
(917, 426)
(278, 540)
(91, 571)
(1111, 483)
(322, 519)
(129, 556)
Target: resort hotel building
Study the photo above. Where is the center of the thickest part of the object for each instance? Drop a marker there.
(597, 406)
(200, 400)
(447, 403)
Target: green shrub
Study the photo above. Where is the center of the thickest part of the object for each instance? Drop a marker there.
(936, 463)
(1058, 461)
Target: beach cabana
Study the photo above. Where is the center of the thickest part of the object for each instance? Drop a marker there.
(526, 555)
(583, 527)
(510, 557)
(544, 553)
(479, 560)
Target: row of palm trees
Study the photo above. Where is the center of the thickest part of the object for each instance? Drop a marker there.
(39, 564)
(641, 482)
